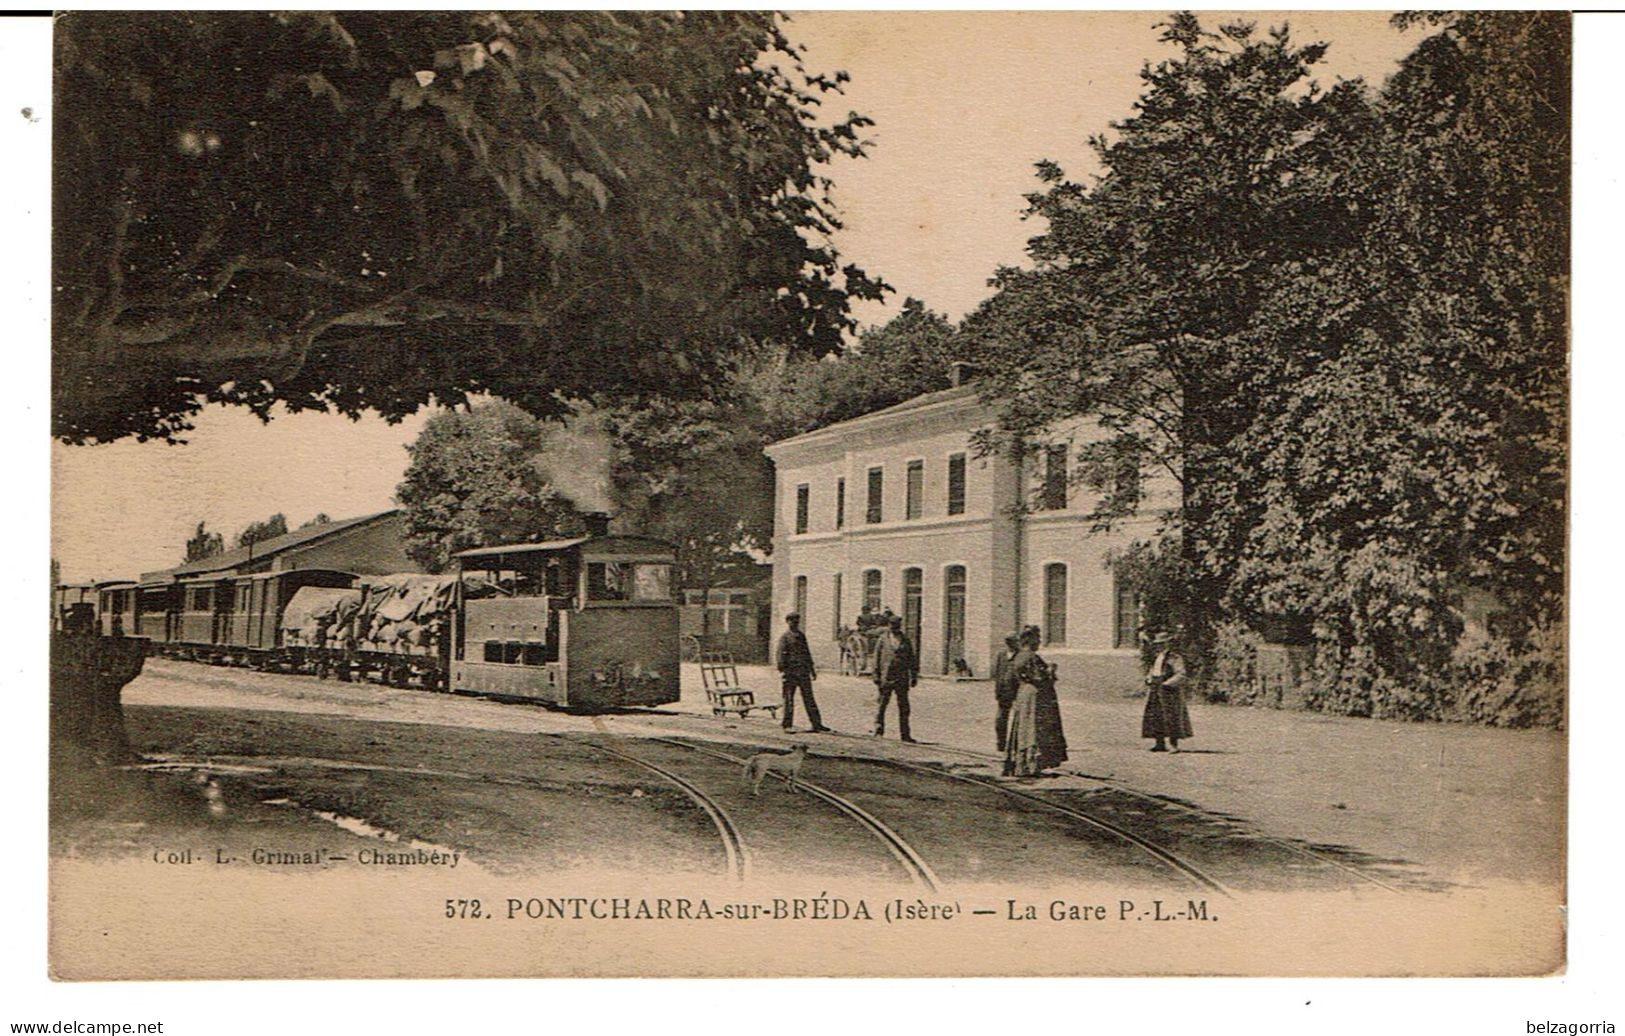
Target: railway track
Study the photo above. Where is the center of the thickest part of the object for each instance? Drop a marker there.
(1169, 858)
(1164, 856)
(908, 858)
(1119, 786)
(733, 844)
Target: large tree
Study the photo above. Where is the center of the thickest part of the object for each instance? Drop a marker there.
(1338, 319)
(473, 480)
(1145, 281)
(1409, 444)
(366, 211)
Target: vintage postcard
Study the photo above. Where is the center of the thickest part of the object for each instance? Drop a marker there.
(571, 493)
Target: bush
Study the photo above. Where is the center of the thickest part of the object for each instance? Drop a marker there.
(1357, 680)
(1234, 674)
(1507, 682)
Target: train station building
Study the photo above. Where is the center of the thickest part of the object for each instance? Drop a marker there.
(897, 509)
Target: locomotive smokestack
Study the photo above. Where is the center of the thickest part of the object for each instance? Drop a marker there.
(597, 522)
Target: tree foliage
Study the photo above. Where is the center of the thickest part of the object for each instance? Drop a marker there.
(366, 210)
(258, 532)
(695, 474)
(1338, 317)
(203, 544)
(692, 473)
(910, 354)
(1144, 281)
(473, 481)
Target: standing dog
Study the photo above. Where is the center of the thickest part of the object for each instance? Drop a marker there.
(758, 766)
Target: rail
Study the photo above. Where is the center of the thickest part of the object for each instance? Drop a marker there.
(912, 863)
(1280, 843)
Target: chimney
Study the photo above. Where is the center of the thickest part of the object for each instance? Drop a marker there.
(961, 373)
(597, 523)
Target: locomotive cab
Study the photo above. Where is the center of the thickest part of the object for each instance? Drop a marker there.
(588, 622)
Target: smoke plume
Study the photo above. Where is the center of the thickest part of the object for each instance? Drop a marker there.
(578, 461)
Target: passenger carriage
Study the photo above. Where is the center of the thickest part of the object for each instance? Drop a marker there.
(73, 608)
(115, 608)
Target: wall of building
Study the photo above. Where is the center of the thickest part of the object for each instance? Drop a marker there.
(1004, 555)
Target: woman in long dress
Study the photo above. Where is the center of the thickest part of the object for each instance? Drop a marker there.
(1035, 741)
(1167, 718)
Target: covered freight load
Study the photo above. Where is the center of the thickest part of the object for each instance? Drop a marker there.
(397, 625)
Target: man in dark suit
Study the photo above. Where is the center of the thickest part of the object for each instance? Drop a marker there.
(1006, 680)
(795, 662)
(897, 668)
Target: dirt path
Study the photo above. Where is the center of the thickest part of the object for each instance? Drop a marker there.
(520, 788)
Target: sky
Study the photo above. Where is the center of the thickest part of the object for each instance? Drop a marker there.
(964, 104)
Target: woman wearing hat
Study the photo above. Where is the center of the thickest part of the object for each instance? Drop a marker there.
(1035, 741)
(1166, 717)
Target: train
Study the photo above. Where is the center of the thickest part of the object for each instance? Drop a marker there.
(587, 623)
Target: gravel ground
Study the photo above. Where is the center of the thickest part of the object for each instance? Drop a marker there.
(1465, 803)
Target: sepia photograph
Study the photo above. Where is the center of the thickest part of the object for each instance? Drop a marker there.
(863, 494)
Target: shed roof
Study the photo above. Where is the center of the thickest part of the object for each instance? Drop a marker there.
(271, 547)
(609, 544)
(522, 548)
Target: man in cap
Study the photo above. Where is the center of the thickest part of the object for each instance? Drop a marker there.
(1005, 682)
(897, 668)
(795, 662)
(1166, 719)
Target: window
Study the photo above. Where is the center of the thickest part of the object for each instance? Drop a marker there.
(877, 485)
(953, 616)
(801, 596)
(726, 611)
(803, 493)
(916, 489)
(556, 582)
(1127, 626)
(1055, 603)
(835, 601)
(840, 503)
(871, 589)
(956, 483)
(607, 581)
(200, 599)
(913, 592)
(515, 652)
(626, 581)
(1054, 495)
(651, 582)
